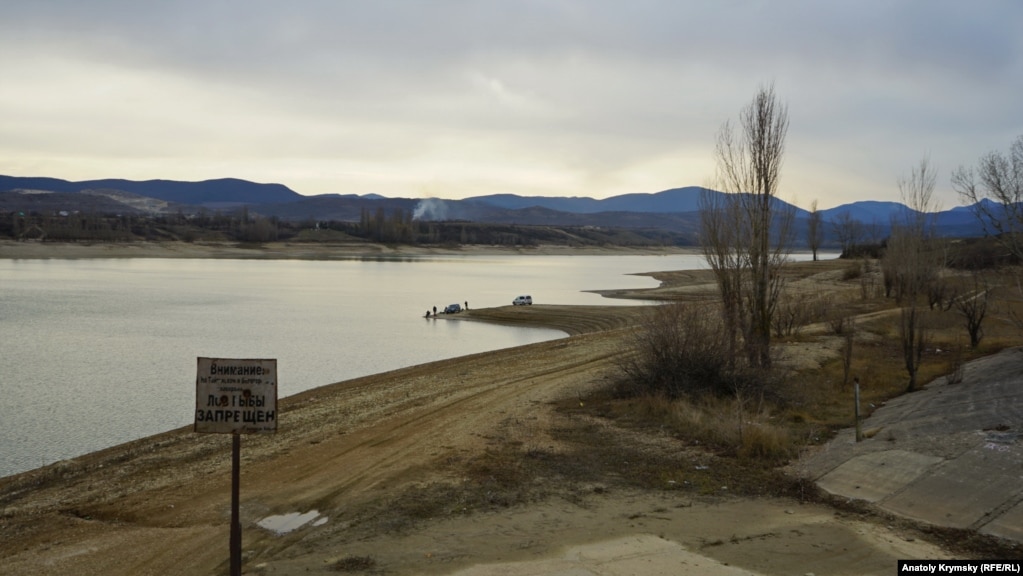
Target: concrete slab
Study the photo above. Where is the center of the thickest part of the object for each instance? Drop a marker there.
(640, 554)
(878, 475)
(1008, 525)
(974, 428)
(966, 492)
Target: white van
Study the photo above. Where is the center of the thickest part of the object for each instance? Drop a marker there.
(522, 301)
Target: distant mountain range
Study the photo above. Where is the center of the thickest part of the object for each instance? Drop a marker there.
(675, 210)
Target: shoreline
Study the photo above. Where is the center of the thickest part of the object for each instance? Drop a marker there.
(346, 450)
(351, 451)
(568, 319)
(36, 250)
(571, 320)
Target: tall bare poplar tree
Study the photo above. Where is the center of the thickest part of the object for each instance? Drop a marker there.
(719, 223)
(814, 232)
(745, 235)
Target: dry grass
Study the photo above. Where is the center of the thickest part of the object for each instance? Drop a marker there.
(354, 564)
(723, 424)
(812, 402)
(818, 401)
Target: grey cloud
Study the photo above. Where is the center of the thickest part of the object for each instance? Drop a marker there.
(330, 42)
(594, 84)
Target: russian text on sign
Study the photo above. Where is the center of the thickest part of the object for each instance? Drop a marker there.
(236, 396)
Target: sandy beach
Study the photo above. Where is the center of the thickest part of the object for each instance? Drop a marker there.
(398, 474)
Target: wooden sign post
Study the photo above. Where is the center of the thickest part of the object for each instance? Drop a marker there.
(235, 396)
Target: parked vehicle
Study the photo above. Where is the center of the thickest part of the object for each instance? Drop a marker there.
(453, 309)
(522, 301)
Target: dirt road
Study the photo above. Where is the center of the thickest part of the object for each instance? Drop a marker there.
(158, 505)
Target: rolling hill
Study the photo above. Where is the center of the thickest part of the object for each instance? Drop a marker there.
(675, 210)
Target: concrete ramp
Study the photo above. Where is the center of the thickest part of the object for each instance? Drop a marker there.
(966, 492)
(1009, 525)
(950, 455)
(878, 475)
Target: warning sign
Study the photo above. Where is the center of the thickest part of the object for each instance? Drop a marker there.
(235, 396)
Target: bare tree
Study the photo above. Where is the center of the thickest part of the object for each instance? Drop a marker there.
(849, 232)
(872, 233)
(910, 258)
(914, 339)
(995, 191)
(719, 222)
(973, 307)
(747, 257)
(814, 231)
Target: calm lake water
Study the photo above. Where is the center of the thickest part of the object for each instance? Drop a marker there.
(99, 352)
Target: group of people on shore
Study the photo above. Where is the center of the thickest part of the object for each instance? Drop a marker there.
(451, 309)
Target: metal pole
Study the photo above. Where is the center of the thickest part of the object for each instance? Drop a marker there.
(236, 524)
(859, 433)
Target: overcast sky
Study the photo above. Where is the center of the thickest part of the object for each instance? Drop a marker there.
(456, 98)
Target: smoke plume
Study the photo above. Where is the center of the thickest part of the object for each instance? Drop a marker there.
(430, 209)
